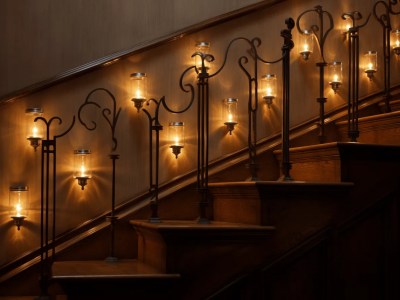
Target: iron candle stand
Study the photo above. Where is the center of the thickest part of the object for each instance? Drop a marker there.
(385, 22)
(321, 38)
(48, 159)
(354, 66)
(111, 116)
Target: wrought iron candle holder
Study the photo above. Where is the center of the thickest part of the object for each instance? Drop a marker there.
(111, 116)
(34, 135)
(354, 71)
(230, 113)
(154, 161)
(48, 203)
(384, 20)
(320, 34)
(19, 204)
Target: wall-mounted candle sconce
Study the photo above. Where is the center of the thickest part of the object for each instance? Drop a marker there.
(82, 168)
(269, 88)
(138, 89)
(18, 204)
(371, 63)
(306, 44)
(396, 41)
(177, 137)
(335, 75)
(204, 48)
(34, 129)
(230, 113)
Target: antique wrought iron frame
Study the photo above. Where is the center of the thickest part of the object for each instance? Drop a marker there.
(321, 38)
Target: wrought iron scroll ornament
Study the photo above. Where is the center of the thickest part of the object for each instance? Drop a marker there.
(321, 39)
(48, 186)
(203, 100)
(314, 29)
(111, 116)
(154, 125)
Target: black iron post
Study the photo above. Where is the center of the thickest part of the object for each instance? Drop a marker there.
(47, 200)
(111, 117)
(286, 48)
(354, 71)
(384, 20)
(321, 38)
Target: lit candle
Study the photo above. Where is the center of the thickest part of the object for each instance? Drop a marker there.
(396, 41)
(307, 44)
(176, 134)
(34, 130)
(371, 58)
(138, 89)
(18, 204)
(202, 48)
(335, 75)
(268, 88)
(82, 170)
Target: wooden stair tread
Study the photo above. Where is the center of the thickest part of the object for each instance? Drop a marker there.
(395, 115)
(101, 269)
(193, 226)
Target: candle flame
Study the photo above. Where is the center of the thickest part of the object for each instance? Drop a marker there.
(18, 208)
(176, 139)
(335, 78)
(269, 91)
(138, 94)
(306, 47)
(83, 171)
(35, 131)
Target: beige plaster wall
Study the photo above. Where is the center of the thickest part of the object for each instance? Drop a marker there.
(40, 39)
(164, 65)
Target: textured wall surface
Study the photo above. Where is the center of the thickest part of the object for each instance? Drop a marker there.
(40, 39)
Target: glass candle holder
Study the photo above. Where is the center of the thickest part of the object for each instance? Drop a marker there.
(19, 204)
(138, 89)
(230, 113)
(82, 166)
(176, 136)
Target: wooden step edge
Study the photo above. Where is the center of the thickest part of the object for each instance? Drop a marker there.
(280, 184)
(124, 269)
(373, 118)
(194, 226)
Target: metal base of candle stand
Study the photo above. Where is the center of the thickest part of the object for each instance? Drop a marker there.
(18, 220)
(34, 141)
(230, 126)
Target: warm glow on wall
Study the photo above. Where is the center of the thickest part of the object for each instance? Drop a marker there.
(34, 131)
(176, 137)
(138, 89)
(19, 204)
(82, 166)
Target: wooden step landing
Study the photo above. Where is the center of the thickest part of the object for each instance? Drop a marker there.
(101, 269)
(381, 129)
(344, 162)
(122, 279)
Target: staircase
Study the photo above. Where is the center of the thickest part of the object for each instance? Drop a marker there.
(330, 234)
